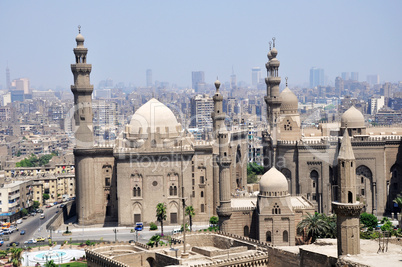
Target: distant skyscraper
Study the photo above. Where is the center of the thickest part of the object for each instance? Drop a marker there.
(149, 78)
(233, 81)
(316, 77)
(345, 76)
(22, 84)
(255, 76)
(198, 80)
(8, 81)
(373, 79)
(354, 76)
(201, 108)
(339, 86)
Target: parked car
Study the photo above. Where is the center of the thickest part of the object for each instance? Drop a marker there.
(40, 239)
(62, 205)
(25, 217)
(22, 232)
(13, 243)
(42, 216)
(19, 221)
(1, 242)
(139, 226)
(8, 231)
(48, 206)
(30, 241)
(33, 213)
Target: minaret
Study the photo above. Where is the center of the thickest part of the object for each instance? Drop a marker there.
(218, 121)
(82, 90)
(225, 207)
(218, 117)
(347, 209)
(272, 99)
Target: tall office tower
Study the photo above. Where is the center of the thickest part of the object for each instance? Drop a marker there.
(386, 90)
(316, 77)
(354, 76)
(255, 76)
(345, 76)
(373, 79)
(339, 86)
(149, 77)
(201, 108)
(198, 80)
(8, 81)
(22, 84)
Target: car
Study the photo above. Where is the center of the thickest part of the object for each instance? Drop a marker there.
(8, 231)
(139, 226)
(25, 217)
(39, 211)
(42, 216)
(13, 243)
(22, 232)
(62, 205)
(57, 211)
(19, 221)
(30, 241)
(33, 213)
(48, 206)
(1, 242)
(40, 239)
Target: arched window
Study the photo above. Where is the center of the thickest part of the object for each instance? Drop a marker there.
(246, 231)
(175, 190)
(153, 143)
(138, 191)
(202, 208)
(268, 236)
(134, 191)
(171, 191)
(285, 236)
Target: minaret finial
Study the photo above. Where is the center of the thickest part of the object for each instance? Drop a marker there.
(217, 84)
(273, 41)
(286, 81)
(270, 45)
(79, 29)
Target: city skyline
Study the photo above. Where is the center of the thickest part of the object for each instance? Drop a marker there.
(174, 39)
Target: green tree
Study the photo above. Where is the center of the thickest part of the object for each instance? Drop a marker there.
(16, 256)
(214, 220)
(313, 226)
(253, 169)
(24, 212)
(50, 264)
(36, 204)
(161, 214)
(190, 212)
(46, 197)
(369, 220)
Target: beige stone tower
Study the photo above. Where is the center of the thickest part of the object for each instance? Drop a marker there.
(273, 101)
(218, 121)
(82, 90)
(224, 161)
(95, 183)
(347, 209)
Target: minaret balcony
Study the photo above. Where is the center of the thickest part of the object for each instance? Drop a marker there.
(225, 161)
(347, 209)
(274, 100)
(274, 80)
(81, 67)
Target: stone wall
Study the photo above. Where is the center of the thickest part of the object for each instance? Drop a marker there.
(308, 258)
(282, 258)
(68, 211)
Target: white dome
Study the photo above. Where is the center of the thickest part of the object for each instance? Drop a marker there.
(352, 118)
(289, 100)
(154, 115)
(273, 181)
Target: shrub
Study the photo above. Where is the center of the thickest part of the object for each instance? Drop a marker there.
(153, 226)
(88, 243)
(369, 220)
(213, 220)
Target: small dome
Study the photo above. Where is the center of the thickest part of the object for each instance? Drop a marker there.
(274, 52)
(153, 115)
(269, 55)
(79, 38)
(273, 181)
(217, 84)
(352, 118)
(289, 100)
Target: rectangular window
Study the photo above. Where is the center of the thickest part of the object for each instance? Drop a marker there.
(107, 181)
(173, 217)
(137, 217)
(314, 197)
(202, 180)
(193, 181)
(362, 192)
(202, 208)
(193, 193)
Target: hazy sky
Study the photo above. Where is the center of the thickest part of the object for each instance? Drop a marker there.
(173, 38)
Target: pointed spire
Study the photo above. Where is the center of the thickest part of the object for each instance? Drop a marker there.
(286, 81)
(346, 150)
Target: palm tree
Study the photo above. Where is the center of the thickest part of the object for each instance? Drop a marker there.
(16, 256)
(398, 200)
(190, 212)
(313, 226)
(161, 214)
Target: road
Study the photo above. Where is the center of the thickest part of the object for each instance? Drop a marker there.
(33, 227)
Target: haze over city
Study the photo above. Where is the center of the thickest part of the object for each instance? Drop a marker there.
(174, 38)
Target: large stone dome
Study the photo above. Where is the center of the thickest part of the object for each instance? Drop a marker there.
(289, 100)
(154, 116)
(273, 183)
(352, 118)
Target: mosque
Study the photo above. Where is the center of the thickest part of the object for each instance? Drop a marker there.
(155, 160)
